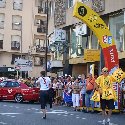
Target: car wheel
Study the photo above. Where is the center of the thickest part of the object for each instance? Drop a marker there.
(31, 102)
(18, 98)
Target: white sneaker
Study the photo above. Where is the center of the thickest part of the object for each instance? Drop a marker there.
(104, 122)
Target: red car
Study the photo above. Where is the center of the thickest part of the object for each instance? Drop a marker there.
(12, 90)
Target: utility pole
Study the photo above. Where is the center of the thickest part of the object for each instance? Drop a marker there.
(46, 49)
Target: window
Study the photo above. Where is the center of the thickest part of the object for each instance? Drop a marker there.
(40, 45)
(94, 44)
(2, 3)
(41, 26)
(116, 24)
(2, 17)
(16, 57)
(38, 61)
(16, 22)
(41, 6)
(70, 3)
(1, 40)
(17, 4)
(15, 42)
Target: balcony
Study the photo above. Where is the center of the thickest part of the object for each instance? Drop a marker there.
(41, 30)
(40, 49)
(42, 10)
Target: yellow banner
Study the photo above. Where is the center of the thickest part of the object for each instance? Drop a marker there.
(96, 24)
(91, 55)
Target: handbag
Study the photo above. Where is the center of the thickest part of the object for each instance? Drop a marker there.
(96, 97)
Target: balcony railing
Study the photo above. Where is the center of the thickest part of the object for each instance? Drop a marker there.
(40, 49)
(1, 44)
(42, 10)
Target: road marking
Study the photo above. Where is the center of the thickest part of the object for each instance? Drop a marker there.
(58, 114)
(17, 107)
(29, 109)
(11, 106)
(83, 118)
(4, 105)
(71, 114)
(110, 123)
(77, 117)
(10, 113)
(13, 116)
(3, 123)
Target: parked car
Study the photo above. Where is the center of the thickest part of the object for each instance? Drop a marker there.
(13, 90)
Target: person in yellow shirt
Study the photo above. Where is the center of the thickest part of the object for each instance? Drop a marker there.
(104, 84)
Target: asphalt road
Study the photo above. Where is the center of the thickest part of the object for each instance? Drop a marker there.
(30, 114)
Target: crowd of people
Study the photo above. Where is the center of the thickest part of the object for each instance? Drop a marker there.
(76, 91)
(69, 91)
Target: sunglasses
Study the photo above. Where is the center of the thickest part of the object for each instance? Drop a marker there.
(105, 71)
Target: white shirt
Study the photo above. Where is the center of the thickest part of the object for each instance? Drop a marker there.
(43, 83)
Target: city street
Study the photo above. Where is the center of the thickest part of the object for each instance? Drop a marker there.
(30, 114)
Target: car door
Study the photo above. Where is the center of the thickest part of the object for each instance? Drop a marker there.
(2, 84)
(4, 90)
(11, 89)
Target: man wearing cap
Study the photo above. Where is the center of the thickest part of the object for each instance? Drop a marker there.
(104, 83)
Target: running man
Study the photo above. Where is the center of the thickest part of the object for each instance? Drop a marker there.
(44, 92)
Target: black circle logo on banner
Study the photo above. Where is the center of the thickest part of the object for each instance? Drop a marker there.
(82, 11)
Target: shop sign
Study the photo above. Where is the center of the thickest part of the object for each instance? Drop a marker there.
(25, 65)
(60, 35)
(91, 55)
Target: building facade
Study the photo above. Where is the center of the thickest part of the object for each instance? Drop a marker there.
(22, 35)
(80, 38)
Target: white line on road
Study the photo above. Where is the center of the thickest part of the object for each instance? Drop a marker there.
(4, 105)
(64, 115)
(9, 113)
(3, 123)
(77, 117)
(83, 118)
(110, 123)
(53, 112)
(13, 116)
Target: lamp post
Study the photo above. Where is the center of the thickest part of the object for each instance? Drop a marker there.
(46, 50)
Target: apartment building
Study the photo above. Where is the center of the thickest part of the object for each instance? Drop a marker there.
(22, 35)
(79, 37)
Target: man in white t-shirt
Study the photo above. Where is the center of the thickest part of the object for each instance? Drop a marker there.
(44, 87)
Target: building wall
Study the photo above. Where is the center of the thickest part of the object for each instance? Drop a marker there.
(29, 30)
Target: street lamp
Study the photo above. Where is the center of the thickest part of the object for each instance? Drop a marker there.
(46, 50)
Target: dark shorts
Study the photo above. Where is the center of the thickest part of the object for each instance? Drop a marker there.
(107, 104)
(44, 95)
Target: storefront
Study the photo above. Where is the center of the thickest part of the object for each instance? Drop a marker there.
(7, 72)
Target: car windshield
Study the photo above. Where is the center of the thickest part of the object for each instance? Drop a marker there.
(2, 84)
